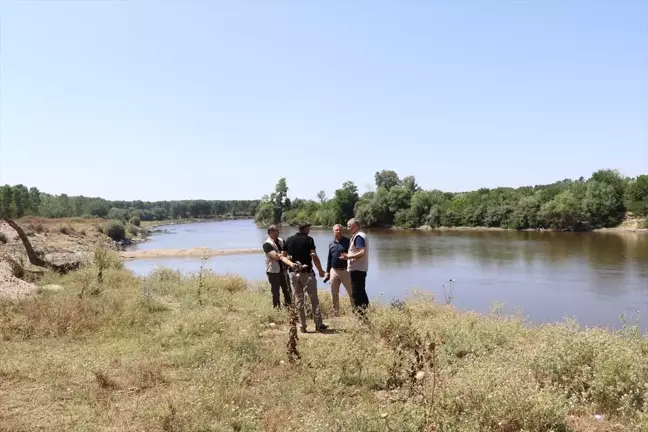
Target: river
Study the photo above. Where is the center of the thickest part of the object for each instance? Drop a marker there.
(593, 277)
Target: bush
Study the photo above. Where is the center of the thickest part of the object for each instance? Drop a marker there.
(3, 238)
(39, 228)
(66, 229)
(132, 230)
(135, 221)
(115, 230)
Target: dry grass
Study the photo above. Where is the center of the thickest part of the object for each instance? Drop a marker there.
(148, 354)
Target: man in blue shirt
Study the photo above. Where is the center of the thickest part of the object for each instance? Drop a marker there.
(336, 268)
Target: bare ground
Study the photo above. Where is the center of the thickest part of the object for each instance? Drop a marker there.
(61, 240)
(195, 252)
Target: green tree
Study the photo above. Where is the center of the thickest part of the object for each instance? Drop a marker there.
(21, 200)
(345, 199)
(637, 195)
(386, 179)
(34, 200)
(6, 202)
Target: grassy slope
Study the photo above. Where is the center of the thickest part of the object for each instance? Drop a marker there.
(145, 354)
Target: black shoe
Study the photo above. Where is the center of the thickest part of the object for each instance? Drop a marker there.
(322, 327)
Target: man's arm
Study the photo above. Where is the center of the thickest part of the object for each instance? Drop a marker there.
(329, 261)
(316, 259)
(273, 254)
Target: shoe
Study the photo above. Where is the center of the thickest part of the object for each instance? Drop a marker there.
(322, 327)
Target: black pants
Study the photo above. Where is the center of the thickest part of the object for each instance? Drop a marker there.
(278, 280)
(358, 290)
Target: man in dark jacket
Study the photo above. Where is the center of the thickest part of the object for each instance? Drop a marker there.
(301, 248)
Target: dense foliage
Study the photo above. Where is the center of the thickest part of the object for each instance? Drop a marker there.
(600, 201)
(18, 201)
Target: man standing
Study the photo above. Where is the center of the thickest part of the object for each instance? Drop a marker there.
(301, 248)
(358, 264)
(276, 264)
(336, 268)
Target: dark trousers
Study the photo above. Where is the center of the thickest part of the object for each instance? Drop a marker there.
(358, 290)
(279, 280)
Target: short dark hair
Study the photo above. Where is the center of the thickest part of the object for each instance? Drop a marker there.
(303, 225)
(272, 228)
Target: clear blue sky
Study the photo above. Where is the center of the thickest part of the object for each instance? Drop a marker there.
(216, 99)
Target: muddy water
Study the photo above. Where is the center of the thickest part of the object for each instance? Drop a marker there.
(593, 277)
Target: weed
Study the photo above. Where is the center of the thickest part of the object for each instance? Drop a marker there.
(3, 238)
(449, 293)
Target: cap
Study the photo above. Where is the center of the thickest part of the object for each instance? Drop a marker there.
(303, 225)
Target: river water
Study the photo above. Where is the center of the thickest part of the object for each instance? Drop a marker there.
(593, 277)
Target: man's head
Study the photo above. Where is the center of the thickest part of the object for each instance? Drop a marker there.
(273, 232)
(337, 231)
(304, 227)
(353, 225)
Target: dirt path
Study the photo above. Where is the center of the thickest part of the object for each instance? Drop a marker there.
(195, 252)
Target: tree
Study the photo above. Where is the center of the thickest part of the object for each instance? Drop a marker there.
(321, 196)
(279, 197)
(21, 200)
(637, 195)
(34, 200)
(386, 179)
(346, 198)
(6, 201)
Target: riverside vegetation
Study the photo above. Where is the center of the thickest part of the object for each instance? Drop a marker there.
(21, 201)
(602, 201)
(99, 348)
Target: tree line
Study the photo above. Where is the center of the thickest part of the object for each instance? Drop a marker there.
(18, 201)
(601, 201)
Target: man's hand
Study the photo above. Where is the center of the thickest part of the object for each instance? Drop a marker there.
(321, 273)
(344, 256)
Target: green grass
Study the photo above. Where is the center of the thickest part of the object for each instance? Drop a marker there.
(153, 354)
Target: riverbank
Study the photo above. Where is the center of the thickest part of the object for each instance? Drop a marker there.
(61, 241)
(180, 352)
(634, 225)
(171, 222)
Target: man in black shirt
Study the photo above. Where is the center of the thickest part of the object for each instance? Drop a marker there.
(301, 248)
(336, 267)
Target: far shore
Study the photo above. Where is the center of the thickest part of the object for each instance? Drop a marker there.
(618, 229)
(171, 222)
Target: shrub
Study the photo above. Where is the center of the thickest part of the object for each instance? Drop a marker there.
(66, 229)
(39, 228)
(135, 221)
(115, 230)
(132, 230)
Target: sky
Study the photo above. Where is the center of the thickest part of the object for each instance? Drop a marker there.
(219, 99)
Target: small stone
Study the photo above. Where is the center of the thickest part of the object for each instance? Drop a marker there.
(384, 415)
(272, 325)
(420, 375)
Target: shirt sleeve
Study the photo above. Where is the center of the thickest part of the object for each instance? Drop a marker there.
(359, 242)
(267, 248)
(311, 244)
(329, 261)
